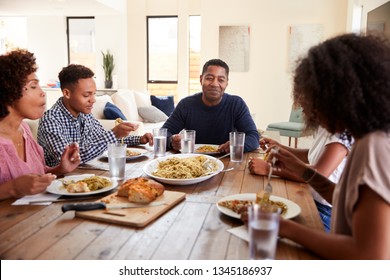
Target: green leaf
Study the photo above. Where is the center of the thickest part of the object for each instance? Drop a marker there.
(108, 65)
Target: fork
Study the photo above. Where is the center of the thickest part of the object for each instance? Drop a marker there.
(268, 188)
(207, 164)
(224, 170)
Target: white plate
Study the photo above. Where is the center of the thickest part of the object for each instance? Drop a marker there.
(197, 146)
(135, 150)
(293, 209)
(152, 165)
(56, 187)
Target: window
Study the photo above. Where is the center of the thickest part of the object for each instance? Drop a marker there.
(81, 41)
(162, 49)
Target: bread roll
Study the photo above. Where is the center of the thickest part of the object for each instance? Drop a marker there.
(141, 190)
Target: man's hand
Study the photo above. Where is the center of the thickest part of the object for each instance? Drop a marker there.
(176, 142)
(124, 128)
(147, 138)
(224, 148)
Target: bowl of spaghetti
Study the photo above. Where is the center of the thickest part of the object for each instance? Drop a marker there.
(183, 169)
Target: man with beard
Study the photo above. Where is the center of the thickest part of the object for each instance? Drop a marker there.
(212, 113)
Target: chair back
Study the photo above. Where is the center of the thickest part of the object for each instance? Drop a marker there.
(296, 115)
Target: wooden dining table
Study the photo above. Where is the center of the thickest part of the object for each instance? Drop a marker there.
(194, 229)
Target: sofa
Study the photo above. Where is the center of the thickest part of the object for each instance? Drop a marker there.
(134, 106)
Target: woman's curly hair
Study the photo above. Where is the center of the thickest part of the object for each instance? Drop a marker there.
(344, 83)
(15, 67)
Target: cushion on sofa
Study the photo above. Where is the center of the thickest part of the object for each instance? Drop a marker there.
(112, 112)
(142, 98)
(125, 101)
(164, 103)
(100, 104)
(152, 114)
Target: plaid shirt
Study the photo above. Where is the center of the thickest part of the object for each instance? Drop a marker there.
(58, 128)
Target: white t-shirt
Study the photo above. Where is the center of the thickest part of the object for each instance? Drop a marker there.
(322, 138)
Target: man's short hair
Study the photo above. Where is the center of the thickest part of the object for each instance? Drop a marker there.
(71, 74)
(216, 62)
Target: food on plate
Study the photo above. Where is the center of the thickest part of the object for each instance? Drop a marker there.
(77, 187)
(92, 183)
(207, 149)
(235, 205)
(141, 190)
(130, 153)
(184, 168)
(118, 121)
(266, 155)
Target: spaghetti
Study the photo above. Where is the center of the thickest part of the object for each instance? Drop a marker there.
(207, 149)
(183, 168)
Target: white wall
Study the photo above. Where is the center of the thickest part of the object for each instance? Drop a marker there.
(266, 87)
(111, 33)
(48, 43)
(47, 39)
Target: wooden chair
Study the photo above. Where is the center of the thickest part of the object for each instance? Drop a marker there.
(291, 129)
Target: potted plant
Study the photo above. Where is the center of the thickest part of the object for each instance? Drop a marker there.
(108, 67)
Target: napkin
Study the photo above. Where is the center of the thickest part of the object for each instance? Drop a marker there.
(240, 232)
(28, 199)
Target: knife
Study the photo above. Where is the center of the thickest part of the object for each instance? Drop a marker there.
(107, 206)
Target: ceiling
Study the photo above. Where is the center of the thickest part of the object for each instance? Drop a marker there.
(61, 7)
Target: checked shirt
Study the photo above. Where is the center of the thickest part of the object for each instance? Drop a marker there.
(59, 128)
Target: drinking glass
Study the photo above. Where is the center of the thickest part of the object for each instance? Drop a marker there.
(117, 160)
(160, 141)
(187, 141)
(263, 226)
(237, 141)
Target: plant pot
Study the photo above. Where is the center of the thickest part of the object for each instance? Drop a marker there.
(108, 84)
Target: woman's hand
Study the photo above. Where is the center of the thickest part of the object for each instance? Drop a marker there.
(29, 184)
(70, 159)
(286, 162)
(266, 143)
(258, 166)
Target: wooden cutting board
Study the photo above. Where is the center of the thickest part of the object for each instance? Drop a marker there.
(136, 217)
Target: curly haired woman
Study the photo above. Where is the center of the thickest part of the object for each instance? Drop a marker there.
(22, 167)
(327, 154)
(344, 84)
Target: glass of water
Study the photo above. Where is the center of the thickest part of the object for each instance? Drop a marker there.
(237, 141)
(187, 141)
(263, 226)
(160, 141)
(117, 160)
